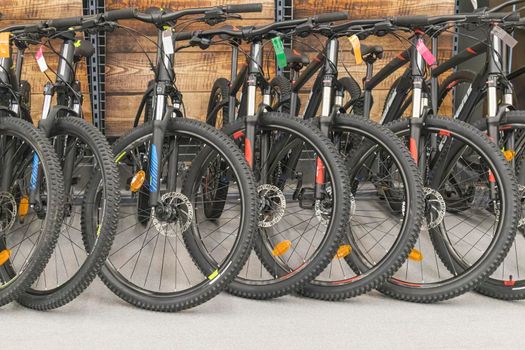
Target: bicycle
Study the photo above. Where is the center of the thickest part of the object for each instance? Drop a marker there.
(168, 255)
(86, 161)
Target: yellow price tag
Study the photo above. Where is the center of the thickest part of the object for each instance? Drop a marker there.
(4, 44)
(356, 46)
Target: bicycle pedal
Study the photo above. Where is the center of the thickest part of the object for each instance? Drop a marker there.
(306, 198)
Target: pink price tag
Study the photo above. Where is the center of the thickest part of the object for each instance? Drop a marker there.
(41, 60)
(425, 52)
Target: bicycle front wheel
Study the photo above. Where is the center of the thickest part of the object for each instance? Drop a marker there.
(471, 213)
(386, 211)
(298, 232)
(87, 161)
(172, 256)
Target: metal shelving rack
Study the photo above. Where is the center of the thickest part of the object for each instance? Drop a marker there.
(96, 67)
(284, 12)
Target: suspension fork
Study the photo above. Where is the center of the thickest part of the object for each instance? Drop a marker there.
(251, 118)
(160, 124)
(329, 81)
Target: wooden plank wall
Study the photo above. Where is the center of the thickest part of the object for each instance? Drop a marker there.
(392, 46)
(17, 11)
(128, 71)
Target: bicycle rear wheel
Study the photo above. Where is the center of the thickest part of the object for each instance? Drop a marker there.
(508, 281)
(29, 226)
(386, 213)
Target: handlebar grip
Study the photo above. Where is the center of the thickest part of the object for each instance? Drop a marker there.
(410, 21)
(243, 8)
(65, 22)
(330, 17)
(115, 15)
(183, 36)
(507, 16)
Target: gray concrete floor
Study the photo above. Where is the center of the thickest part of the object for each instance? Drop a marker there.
(99, 320)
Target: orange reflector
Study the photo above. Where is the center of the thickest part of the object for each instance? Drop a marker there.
(4, 256)
(23, 207)
(509, 154)
(281, 248)
(510, 282)
(415, 255)
(343, 251)
(137, 181)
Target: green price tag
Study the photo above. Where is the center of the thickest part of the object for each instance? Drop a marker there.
(279, 52)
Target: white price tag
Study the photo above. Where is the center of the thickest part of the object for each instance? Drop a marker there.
(41, 60)
(504, 36)
(167, 42)
(474, 4)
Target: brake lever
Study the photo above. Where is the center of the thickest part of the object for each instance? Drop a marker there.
(303, 30)
(212, 21)
(202, 43)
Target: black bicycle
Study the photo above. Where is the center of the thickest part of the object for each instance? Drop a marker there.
(85, 159)
(168, 255)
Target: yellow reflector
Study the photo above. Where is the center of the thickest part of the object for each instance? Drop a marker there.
(415, 255)
(509, 154)
(343, 251)
(4, 256)
(137, 181)
(23, 207)
(281, 248)
(213, 275)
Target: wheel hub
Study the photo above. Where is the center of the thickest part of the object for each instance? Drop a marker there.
(8, 210)
(323, 207)
(271, 205)
(174, 209)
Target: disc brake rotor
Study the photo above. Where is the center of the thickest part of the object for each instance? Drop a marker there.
(183, 209)
(435, 207)
(8, 210)
(272, 205)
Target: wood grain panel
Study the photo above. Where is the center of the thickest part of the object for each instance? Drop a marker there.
(374, 9)
(267, 12)
(40, 9)
(26, 11)
(196, 71)
(128, 70)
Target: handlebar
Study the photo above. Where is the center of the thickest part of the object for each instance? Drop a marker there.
(505, 4)
(251, 32)
(162, 17)
(243, 8)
